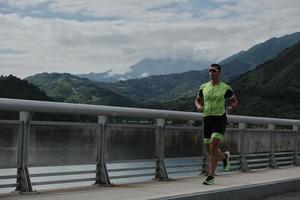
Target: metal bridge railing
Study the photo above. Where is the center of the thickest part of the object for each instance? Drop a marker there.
(93, 144)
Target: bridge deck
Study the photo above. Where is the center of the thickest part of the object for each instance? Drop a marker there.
(251, 185)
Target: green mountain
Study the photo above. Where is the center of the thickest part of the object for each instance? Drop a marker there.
(273, 88)
(246, 60)
(160, 88)
(69, 88)
(13, 87)
(157, 90)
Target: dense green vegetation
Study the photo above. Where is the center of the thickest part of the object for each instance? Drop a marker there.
(13, 87)
(69, 88)
(273, 88)
(161, 88)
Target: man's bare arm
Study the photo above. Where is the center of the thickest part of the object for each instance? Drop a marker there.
(199, 103)
(234, 103)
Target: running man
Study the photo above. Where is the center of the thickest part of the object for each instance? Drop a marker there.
(211, 101)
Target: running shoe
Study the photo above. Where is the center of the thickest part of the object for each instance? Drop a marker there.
(226, 164)
(209, 181)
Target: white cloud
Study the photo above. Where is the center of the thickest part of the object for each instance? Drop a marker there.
(80, 36)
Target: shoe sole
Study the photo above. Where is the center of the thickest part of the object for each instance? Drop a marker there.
(206, 183)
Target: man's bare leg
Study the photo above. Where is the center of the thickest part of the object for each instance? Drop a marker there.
(215, 156)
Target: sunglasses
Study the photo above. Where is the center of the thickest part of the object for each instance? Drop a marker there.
(212, 70)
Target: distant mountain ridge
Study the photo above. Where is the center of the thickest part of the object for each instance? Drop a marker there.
(173, 91)
(149, 67)
(233, 66)
(164, 88)
(244, 61)
(69, 88)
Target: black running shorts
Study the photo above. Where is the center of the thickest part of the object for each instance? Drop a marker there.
(214, 126)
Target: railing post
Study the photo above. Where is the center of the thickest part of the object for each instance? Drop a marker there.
(242, 148)
(102, 177)
(205, 161)
(160, 170)
(273, 163)
(297, 159)
(23, 177)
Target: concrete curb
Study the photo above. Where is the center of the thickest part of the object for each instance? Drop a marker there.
(251, 192)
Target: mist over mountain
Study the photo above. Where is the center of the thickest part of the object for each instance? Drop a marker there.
(149, 67)
(101, 77)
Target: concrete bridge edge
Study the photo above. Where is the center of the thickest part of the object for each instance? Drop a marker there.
(250, 192)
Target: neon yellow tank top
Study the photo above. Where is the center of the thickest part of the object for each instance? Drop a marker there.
(214, 98)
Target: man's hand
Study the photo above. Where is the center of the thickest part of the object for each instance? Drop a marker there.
(200, 108)
(229, 109)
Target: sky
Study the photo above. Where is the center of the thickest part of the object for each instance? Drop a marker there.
(82, 36)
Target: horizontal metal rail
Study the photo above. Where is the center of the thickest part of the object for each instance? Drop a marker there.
(184, 165)
(284, 158)
(8, 122)
(284, 153)
(260, 165)
(8, 186)
(3, 166)
(63, 181)
(72, 124)
(63, 173)
(60, 164)
(168, 127)
(130, 169)
(72, 108)
(131, 161)
(257, 154)
(8, 177)
(258, 160)
(184, 171)
(132, 175)
(285, 163)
